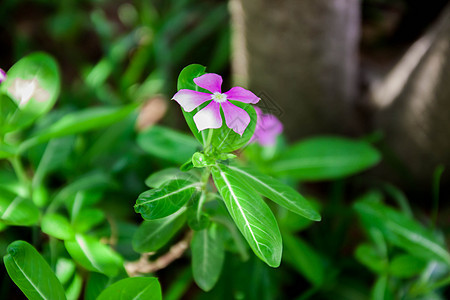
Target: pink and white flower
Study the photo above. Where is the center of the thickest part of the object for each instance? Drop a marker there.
(268, 127)
(26, 89)
(2, 76)
(236, 118)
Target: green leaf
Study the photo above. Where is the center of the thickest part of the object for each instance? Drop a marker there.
(405, 266)
(223, 139)
(159, 203)
(186, 81)
(93, 255)
(16, 210)
(159, 178)
(33, 84)
(200, 160)
(87, 218)
(9, 183)
(251, 214)
(152, 235)
(78, 122)
(277, 191)
(402, 230)
(380, 290)
(197, 219)
(6, 151)
(73, 291)
(57, 226)
(304, 259)
(65, 268)
(31, 273)
(96, 283)
(138, 288)
(325, 158)
(369, 256)
(208, 254)
(55, 155)
(40, 196)
(167, 144)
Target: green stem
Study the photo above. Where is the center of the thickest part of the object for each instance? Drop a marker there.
(436, 183)
(424, 290)
(204, 184)
(208, 141)
(21, 174)
(53, 243)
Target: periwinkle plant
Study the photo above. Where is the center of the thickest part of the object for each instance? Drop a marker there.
(240, 189)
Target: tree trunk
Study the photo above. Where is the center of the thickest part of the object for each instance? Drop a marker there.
(414, 103)
(301, 57)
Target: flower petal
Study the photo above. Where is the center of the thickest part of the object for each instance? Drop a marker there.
(242, 95)
(189, 99)
(235, 117)
(208, 117)
(2, 76)
(210, 81)
(267, 130)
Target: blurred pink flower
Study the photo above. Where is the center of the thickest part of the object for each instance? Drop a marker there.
(210, 117)
(26, 89)
(268, 127)
(2, 75)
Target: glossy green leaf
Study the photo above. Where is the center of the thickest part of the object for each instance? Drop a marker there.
(200, 160)
(73, 291)
(162, 202)
(31, 273)
(380, 290)
(78, 122)
(276, 191)
(222, 139)
(368, 256)
(325, 158)
(168, 144)
(406, 265)
(137, 288)
(197, 218)
(65, 268)
(251, 214)
(55, 155)
(57, 226)
(10, 183)
(93, 255)
(87, 219)
(40, 196)
(160, 178)
(88, 183)
(208, 254)
(402, 230)
(16, 210)
(186, 81)
(33, 83)
(6, 151)
(154, 234)
(304, 259)
(96, 283)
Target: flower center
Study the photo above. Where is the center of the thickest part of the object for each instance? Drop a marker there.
(219, 98)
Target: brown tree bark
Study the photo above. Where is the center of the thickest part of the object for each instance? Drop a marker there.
(414, 103)
(302, 58)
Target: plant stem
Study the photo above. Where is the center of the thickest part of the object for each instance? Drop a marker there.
(204, 183)
(208, 141)
(21, 174)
